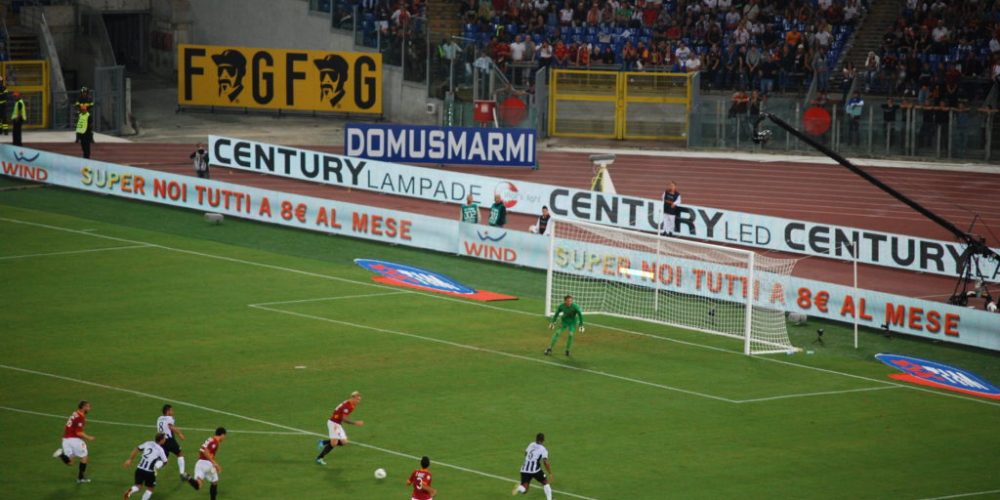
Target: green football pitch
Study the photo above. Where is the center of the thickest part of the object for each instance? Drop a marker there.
(264, 330)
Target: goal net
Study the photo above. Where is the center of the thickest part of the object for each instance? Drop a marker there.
(692, 285)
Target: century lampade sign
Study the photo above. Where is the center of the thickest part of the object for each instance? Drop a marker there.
(704, 223)
(285, 79)
(836, 302)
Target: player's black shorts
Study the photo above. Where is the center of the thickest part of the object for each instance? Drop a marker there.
(171, 446)
(146, 478)
(539, 476)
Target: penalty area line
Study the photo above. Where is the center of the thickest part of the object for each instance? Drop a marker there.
(265, 422)
(301, 272)
(963, 495)
(498, 353)
(324, 299)
(823, 393)
(146, 426)
(72, 252)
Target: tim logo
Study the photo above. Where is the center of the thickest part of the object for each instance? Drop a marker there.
(508, 193)
(933, 374)
(231, 68)
(20, 156)
(414, 277)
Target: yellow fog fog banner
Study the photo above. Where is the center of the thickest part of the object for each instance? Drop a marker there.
(301, 80)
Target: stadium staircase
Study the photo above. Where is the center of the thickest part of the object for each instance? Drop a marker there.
(442, 16)
(882, 15)
(23, 43)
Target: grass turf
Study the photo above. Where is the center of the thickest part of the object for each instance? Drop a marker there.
(640, 411)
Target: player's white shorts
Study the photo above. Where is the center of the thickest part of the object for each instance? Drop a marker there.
(74, 447)
(205, 471)
(336, 431)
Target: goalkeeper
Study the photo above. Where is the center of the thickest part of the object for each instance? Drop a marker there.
(572, 317)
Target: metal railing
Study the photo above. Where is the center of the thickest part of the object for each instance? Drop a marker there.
(916, 132)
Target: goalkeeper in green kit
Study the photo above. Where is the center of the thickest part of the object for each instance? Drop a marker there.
(572, 316)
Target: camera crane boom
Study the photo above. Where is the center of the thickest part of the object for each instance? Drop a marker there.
(975, 244)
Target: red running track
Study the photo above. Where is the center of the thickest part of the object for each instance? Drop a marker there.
(821, 193)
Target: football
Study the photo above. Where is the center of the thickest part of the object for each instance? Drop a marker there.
(379, 473)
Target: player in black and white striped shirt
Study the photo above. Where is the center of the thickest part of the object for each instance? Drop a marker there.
(535, 456)
(165, 425)
(153, 457)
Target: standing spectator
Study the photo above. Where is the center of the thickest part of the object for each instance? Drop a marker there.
(4, 126)
(18, 117)
(545, 55)
(470, 211)
(768, 70)
(498, 212)
(849, 73)
(561, 54)
(731, 65)
(541, 226)
(752, 59)
(630, 56)
(889, 119)
(84, 130)
(754, 112)
(821, 70)
(942, 118)
(671, 207)
(738, 109)
(582, 58)
(566, 15)
(200, 158)
(854, 108)
(872, 66)
(517, 50)
(961, 130)
(693, 64)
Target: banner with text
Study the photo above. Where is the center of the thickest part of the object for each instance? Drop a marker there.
(509, 147)
(704, 223)
(905, 315)
(911, 316)
(300, 80)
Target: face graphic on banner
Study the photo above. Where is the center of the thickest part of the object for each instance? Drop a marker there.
(232, 67)
(333, 73)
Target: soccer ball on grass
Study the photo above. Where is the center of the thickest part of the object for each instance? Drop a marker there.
(379, 473)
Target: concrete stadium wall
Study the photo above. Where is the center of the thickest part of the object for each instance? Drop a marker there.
(288, 24)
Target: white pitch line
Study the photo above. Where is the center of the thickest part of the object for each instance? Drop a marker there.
(487, 306)
(961, 495)
(499, 353)
(265, 422)
(824, 393)
(147, 426)
(71, 252)
(324, 299)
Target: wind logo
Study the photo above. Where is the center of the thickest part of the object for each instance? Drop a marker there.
(485, 236)
(20, 156)
(489, 247)
(938, 375)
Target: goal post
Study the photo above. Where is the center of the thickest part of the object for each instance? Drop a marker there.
(692, 285)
